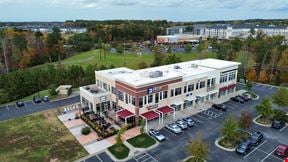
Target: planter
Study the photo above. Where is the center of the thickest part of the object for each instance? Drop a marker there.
(260, 124)
(221, 147)
(190, 157)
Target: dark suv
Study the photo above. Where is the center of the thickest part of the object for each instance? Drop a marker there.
(244, 147)
(256, 138)
(219, 107)
(278, 124)
(237, 99)
(37, 99)
(19, 104)
(245, 98)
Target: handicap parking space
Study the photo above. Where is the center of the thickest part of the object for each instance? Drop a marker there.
(210, 114)
(144, 157)
(264, 152)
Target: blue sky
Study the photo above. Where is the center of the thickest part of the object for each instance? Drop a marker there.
(174, 10)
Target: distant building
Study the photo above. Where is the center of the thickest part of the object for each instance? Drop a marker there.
(175, 30)
(179, 38)
(48, 29)
(241, 31)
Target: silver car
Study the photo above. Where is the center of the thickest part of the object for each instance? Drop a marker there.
(181, 124)
(157, 135)
(190, 122)
(173, 128)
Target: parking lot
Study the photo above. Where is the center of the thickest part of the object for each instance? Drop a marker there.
(209, 124)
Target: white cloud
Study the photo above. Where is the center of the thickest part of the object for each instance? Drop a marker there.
(202, 4)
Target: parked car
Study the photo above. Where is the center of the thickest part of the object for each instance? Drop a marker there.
(282, 150)
(243, 97)
(219, 107)
(237, 99)
(244, 147)
(37, 99)
(190, 122)
(278, 124)
(173, 128)
(256, 138)
(247, 95)
(182, 124)
(20, 104)
(156, 134)
(45, 99)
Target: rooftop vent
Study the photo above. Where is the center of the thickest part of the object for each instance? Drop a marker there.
(177, 67)
(155, 74)
(94, 91)
(87, 88)
(194, 66)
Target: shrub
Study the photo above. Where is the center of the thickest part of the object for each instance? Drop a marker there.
(86, 130)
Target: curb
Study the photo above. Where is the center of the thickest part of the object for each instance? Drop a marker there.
(184, 160)
(262, 125)
(221, 147)
(133, 151)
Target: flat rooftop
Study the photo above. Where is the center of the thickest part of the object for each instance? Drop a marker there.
(194, 69)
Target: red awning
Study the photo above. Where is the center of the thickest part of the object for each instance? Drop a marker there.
(150, 115)
(124, 113)
(232, 85)
(223, 89)
(165, 109)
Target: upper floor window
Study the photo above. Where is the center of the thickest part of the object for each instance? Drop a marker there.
(120, 96)
(178, 91)
(190, 87)
(202, 84)
(172, 92)
(165, 95)
(150, 98)
(140, 102)
(232, 75)
(223, 77)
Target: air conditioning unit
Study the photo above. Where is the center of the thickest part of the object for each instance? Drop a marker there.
(177, 67)
(194, 65)
(155, 74)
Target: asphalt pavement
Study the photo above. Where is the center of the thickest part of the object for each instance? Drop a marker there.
(12, 111)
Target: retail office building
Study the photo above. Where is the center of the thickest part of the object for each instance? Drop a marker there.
(154, 92)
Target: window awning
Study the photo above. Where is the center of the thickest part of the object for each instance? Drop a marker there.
(165, 109)
(231, 85)
(189, 98)
(223, 89)
(150, 115)
(124, 113)
(213, 91)
(201, 95)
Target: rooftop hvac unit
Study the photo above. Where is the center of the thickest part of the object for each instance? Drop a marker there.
(194, 66)
(177, 67)
(155, 74)
(94, 91)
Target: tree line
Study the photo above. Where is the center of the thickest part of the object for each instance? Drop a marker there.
(263, 58)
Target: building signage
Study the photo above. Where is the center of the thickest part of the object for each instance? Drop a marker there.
(153, 90)
(103, 99)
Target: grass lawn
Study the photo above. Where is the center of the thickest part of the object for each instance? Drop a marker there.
(142, 141)
(119, 151)
(38, 137)
(119, 60)
(233, 143)
(264, 120)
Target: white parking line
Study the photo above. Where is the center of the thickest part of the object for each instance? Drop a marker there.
(169, 132)
(197, 120)
(283, 128)
(271, 87)
(270, 154)
(254, 149)
(7, 108)
(202, 117)
(99, 158)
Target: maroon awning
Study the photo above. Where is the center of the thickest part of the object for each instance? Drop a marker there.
(150, 115)
(232, 85)
(124, 113)
(165, 109)
(223, 89)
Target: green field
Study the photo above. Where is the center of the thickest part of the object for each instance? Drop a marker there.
(120, 60)
(38, 137)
